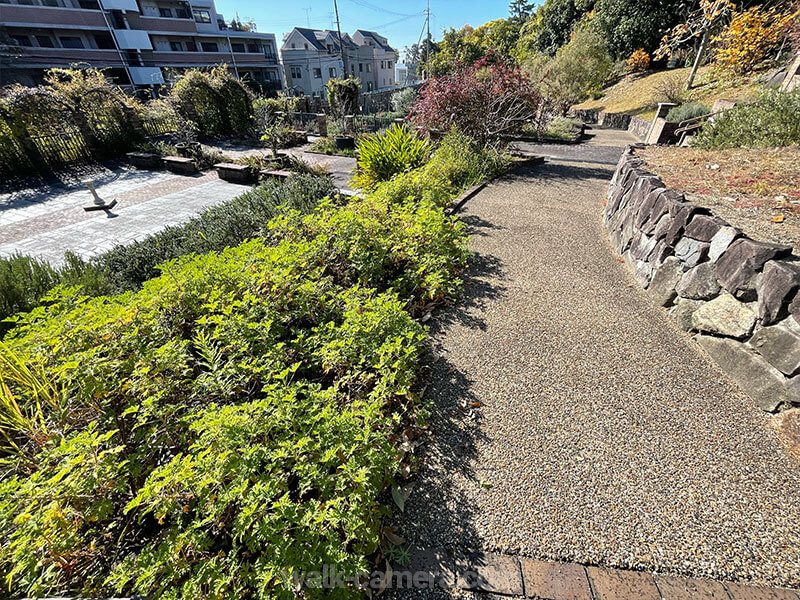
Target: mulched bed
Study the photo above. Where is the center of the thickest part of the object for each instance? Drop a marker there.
(756, 190)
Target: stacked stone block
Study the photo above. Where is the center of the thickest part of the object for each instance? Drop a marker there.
(740, 296)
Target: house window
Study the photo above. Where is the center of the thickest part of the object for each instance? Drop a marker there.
(201, 16)
(383, 65)
(182, 13)
(332, 72)
(89, 4)
(306, 45)
(352, 68)
(237, 47)
(21, 40)
(369, 67)
(317, 73)
(191, 46)
(176, 46)
(49, 2)
(165, 12)
(388, 64)
(296, 72)
(70, 42)
(360, 67)
(45, 41)
(369, 86)
(209, 46)
(253, 47)
(293, 46)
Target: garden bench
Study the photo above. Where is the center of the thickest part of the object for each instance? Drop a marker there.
(280, 175)
(144, 160)
(235, 173)
(178, 164)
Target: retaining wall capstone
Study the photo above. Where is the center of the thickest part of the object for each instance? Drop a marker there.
(738, 295)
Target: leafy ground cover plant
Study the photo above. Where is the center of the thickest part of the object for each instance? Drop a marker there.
(769, 121)
(387, 153)
(236, 419)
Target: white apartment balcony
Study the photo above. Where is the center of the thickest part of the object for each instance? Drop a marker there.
(146, 75)
(133, 39)
(126, 5)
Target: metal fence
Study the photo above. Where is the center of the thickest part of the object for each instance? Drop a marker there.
(159, 125)
(61, 148)
(371, 123)
(303, 121)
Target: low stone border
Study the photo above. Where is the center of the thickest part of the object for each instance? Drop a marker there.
(520, 576)
(739, 295)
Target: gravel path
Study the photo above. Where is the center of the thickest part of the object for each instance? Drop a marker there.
(604, 435)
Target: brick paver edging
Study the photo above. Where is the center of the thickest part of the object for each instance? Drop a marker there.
(519, 576)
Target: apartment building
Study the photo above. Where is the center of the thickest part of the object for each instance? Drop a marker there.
(311, 57)
(139, 41)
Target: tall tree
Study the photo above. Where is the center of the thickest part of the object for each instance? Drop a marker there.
(520, 10)
(557, 18)
(699, 24)
(630, 24)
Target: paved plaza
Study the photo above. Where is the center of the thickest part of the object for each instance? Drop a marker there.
(49, 220)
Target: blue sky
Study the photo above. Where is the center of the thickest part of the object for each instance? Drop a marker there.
(400, 21)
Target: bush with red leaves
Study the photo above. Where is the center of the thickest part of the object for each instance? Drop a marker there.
(486, 101)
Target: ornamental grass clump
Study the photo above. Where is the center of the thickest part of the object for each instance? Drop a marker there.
(387, 153)
(235, 421)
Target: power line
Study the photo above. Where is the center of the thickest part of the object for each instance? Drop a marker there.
(376, 8)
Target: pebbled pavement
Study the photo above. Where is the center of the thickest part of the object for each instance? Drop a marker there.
(572, 421)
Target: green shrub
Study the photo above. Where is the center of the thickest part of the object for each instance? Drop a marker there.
(385, 154)
(237, 418)
(457, 164)
(563, 128)
(688, 110)
(403, 101)
(25, 280)
(769, 121)
(327, 145)
(227, 224)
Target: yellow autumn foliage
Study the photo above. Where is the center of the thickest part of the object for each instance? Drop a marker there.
(749, 37)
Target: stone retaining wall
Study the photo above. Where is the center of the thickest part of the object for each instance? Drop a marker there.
(739, 295)
(635, 125)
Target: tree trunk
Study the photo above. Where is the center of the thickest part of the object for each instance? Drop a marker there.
(699, 58)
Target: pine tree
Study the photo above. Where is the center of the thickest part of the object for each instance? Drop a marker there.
(520, 9)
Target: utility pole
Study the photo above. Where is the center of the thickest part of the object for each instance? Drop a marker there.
(427, 39)
(308, 16)
(342, 53)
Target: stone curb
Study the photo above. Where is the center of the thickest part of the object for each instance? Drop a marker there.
(741, 297)
(526, 577)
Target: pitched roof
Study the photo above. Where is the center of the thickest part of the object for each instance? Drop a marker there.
(379, 39)
(310, 35)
